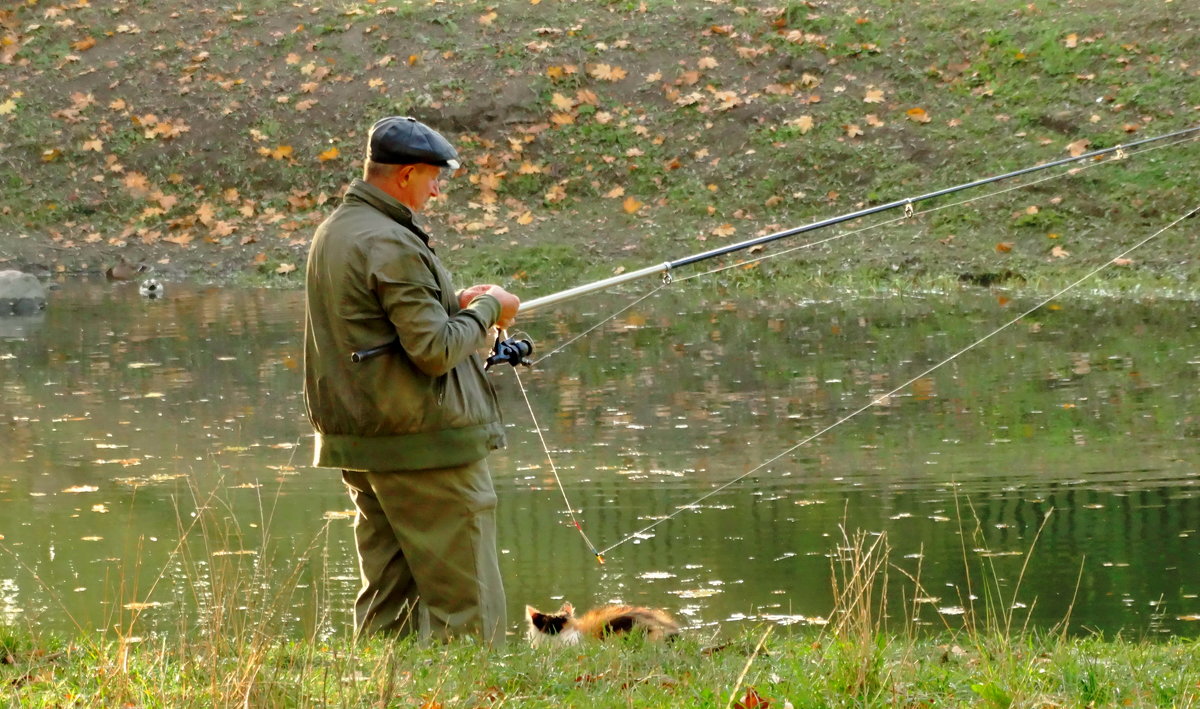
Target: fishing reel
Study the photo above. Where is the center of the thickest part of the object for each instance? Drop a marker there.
(511, 351)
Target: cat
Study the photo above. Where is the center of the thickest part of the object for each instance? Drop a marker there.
(564, 628)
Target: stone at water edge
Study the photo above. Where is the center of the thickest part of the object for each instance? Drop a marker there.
(20, 293)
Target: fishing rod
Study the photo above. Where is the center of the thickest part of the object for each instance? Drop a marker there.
(515, 352)
(668, 266)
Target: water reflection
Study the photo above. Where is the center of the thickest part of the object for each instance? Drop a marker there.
(130, 424)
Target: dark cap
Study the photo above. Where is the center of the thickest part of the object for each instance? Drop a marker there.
(401, 140)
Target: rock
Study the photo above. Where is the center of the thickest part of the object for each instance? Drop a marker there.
(20, 293)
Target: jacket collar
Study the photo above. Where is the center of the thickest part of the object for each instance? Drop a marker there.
(363, 191)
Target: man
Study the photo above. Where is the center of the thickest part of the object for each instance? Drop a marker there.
(410, 429)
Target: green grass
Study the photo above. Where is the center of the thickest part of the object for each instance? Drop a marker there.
(234, 654)
(1005, 84)
(803, 668)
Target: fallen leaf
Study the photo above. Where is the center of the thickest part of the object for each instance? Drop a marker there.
(1122, 262)
(918, 115)
(487, 18)
(725, 230)
(873, 96)
(853, 131)
(707, 63)
(1078, 147)
(327, 155)
(752, 700)
(804, 123)
(84, 44)
(615, 192)
(1004, 247)
(1059, 252)
(285, 268)
(561, 102)
(1071, 41)
(631, 205)
(606, 72)
(74, 489)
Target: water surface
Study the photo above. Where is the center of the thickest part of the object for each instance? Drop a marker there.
(131, 424)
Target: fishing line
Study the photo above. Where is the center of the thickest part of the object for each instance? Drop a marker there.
(1118, 153)
(883, 397)
(1116, 157)
(554, 469)
(593, 328)
(1053, 176)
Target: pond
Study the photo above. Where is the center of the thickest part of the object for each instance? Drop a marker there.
(154, 461)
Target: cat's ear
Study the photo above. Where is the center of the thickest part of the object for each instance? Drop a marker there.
(530, 611)
(566, 608)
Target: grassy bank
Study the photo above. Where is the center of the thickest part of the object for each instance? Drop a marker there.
(208, 142)
(237, 645)
(802, 669)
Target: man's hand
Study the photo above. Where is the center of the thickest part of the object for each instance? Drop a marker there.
(509, 303)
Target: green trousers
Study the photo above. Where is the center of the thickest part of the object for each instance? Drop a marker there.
(427, 552)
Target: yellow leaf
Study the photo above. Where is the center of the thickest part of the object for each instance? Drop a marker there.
(873, 96)
(292, 58)
(606, 72)
(327, 155)
(51, 154)
(853, 131)
(874, 121)
(281, 152)
(615, 192)
(1071, 41)
(488, 18)
(631, 205)
(1004, 247)
(1059, 252)
(525, 218)
(918, 114)
(7, 107)
(1079, 147)
(562, 119)
(725, 230)
(555, 72)
(707, 63)
(205, 213)
(84, 44)
(804, 123)
(303, 106)
(285, 268)
(561, 102)
(413, 59)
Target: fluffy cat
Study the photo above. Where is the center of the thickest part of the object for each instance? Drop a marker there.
(564, 628)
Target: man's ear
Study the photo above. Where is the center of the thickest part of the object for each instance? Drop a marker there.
(403, 173)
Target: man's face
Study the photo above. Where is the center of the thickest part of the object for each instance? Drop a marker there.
(416, 184)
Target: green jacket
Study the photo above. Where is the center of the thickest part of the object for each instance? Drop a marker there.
(371, 278)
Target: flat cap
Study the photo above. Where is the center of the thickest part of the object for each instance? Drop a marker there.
(402, 140)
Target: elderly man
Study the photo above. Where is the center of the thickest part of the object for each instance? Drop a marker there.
(410, 429)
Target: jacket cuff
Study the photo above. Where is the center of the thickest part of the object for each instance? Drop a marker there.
(484, 308)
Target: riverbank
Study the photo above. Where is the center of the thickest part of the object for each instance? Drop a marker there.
(205, 144)
(801, 669)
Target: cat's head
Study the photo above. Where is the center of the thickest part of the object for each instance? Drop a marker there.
(556, 628)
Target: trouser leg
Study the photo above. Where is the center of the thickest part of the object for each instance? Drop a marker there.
(387, 598)
(443, 523)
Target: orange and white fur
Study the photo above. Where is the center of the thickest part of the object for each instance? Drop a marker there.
(564, 628)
